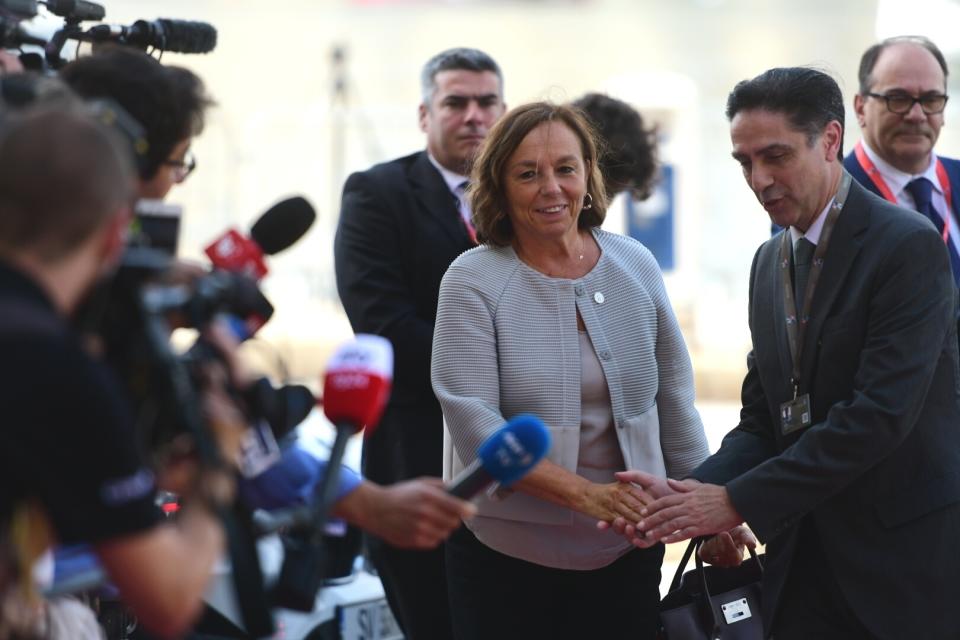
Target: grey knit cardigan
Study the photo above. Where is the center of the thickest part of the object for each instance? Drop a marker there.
(505, 343)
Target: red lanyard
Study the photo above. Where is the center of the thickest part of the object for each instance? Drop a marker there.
(881, 184)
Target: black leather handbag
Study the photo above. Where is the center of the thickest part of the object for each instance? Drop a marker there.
(713, 603)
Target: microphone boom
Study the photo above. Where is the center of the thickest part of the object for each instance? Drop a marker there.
(177, 36)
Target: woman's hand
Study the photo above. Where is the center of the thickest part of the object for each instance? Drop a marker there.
(726, 549)
(653, 487)
(608, 502)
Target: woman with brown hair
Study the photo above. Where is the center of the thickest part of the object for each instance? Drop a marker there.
(553, 316)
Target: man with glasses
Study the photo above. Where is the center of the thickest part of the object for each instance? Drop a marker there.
(900, 107)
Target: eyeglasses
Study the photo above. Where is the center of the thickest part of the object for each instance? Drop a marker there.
(183, 167)
(901, 103)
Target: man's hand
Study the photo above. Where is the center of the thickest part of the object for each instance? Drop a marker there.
(726, 549)
(653, 487)
(416, 514)
(694, 510)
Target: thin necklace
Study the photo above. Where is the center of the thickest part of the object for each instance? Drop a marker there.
(520, 254)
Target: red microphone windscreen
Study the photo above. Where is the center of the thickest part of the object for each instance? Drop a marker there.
(236, 253)
(357, 382)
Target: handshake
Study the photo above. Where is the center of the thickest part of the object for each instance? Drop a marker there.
(648, 509)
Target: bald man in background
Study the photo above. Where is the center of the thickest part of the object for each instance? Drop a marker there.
(899, 107)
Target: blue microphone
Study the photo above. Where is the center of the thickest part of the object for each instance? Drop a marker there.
(504, 457)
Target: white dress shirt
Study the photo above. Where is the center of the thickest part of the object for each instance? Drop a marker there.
(815, 229)
(457, 185)
(897, 181)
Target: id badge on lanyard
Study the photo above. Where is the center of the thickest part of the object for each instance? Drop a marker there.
(796, 414)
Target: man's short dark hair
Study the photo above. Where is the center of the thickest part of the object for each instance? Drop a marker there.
(169, 102)
(62, 174)
(810, 99)
(459, 59)
(869, 58)
(628, 151)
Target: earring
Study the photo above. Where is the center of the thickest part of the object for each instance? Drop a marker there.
(588, 201)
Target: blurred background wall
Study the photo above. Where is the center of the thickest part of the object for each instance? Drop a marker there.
(310, 90)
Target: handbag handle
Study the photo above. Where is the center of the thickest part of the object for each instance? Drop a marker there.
(675, 584)
(693, 546)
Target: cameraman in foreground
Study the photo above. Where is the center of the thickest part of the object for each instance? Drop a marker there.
(69, 466)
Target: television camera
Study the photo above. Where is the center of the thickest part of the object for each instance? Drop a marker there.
(163, 34)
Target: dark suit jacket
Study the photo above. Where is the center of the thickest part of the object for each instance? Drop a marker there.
(878, 472)
(399, 230)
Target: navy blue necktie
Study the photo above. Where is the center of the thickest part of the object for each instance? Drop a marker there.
(922, 191)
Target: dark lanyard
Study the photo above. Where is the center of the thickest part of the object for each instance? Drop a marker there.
(797, 322)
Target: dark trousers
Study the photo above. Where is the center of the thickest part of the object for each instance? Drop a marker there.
(493, 595)
(415, 583)
(812, 604)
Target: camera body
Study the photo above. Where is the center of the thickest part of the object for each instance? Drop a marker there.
(163, 34)
(134, 312)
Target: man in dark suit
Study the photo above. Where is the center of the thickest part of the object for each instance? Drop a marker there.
(846, 461)
(899, 106)
(401, 225)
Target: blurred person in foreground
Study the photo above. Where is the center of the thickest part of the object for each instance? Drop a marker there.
(70, 466)
(171, 103)
(555, 317)
(846, 461)
(401, 225)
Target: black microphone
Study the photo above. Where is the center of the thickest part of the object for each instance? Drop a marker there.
(283, 224)
(282, 407)
(76, 9)
(178, 36)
